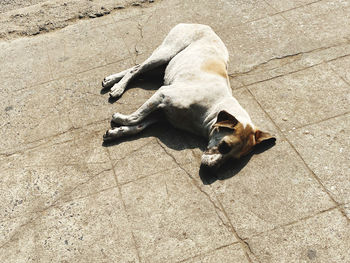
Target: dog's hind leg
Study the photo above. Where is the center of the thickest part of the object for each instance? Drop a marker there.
(160, 56)
(178, 39)
(151, 105)
(123, 131)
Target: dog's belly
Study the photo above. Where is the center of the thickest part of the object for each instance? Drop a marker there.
(187, 104)
(186, 118)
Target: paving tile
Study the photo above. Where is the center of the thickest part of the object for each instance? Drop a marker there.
(256, 113)
(31, 189)
(52, 108)
(46, 176)
(183, 146)
(172, 220)
(281, 5)
(270, 191)
(303, 97)
(227, 13)
(9, 228)
(257, 42)
(15, 74)
(74, 147)
(235, 83)
(79, 48)
(84, 102)
(324, 21)
(309, 58)
(325, 149)
(139, 32)
(141, 161)
(290, 63)
(322, 238)
(158, 148)
(33, 113)
(36, 179)
(21, 246)
(346, 208)
(92, 229)
(233, 253)
(142, 39)
(339, 65)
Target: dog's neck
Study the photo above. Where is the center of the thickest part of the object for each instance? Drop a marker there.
(231, 106)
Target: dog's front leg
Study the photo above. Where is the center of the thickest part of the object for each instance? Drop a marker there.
(124, 131)
(136, 117)
(109, 81)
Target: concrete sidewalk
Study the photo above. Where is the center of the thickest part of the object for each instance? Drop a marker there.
(66, 198)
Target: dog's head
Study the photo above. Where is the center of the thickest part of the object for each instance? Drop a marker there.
(230, 139)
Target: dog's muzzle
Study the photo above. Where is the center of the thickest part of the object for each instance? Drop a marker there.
(211, 160)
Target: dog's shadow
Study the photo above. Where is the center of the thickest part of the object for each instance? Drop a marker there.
(180, 140)
(232, 167)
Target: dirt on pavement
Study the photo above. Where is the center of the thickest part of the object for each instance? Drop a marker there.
(32, 17)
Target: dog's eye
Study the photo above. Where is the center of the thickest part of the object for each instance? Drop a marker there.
(224, 148)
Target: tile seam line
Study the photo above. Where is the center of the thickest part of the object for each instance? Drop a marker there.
(49, 60)
(234, 75)
(66, 165)
(51, 137)
(114, 161)
(39, 214)
(317, 122)
(230, 228)
(71, 75)
(123, 38)
(280, 76)
(57, 203)
(313, 175)
(124, 205)
(336, 73)
(278, 13)
(208, 252)
(294, 222)
(338, 205)
(159, 173)
(294, 8)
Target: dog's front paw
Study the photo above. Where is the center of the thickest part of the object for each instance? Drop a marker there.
(118, 118)
(116, 91)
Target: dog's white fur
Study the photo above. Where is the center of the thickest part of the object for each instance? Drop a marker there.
(196, 90)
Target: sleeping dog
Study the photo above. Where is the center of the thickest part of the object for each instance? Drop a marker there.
(196, 95)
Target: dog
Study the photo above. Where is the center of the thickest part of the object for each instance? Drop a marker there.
(196, 95)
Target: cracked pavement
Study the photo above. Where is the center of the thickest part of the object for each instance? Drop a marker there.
(65, 197)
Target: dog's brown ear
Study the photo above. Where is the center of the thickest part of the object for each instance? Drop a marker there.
(226, 120)
(265, 137)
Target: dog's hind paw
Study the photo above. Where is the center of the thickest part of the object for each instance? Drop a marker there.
(113, 134)
(109, 136)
